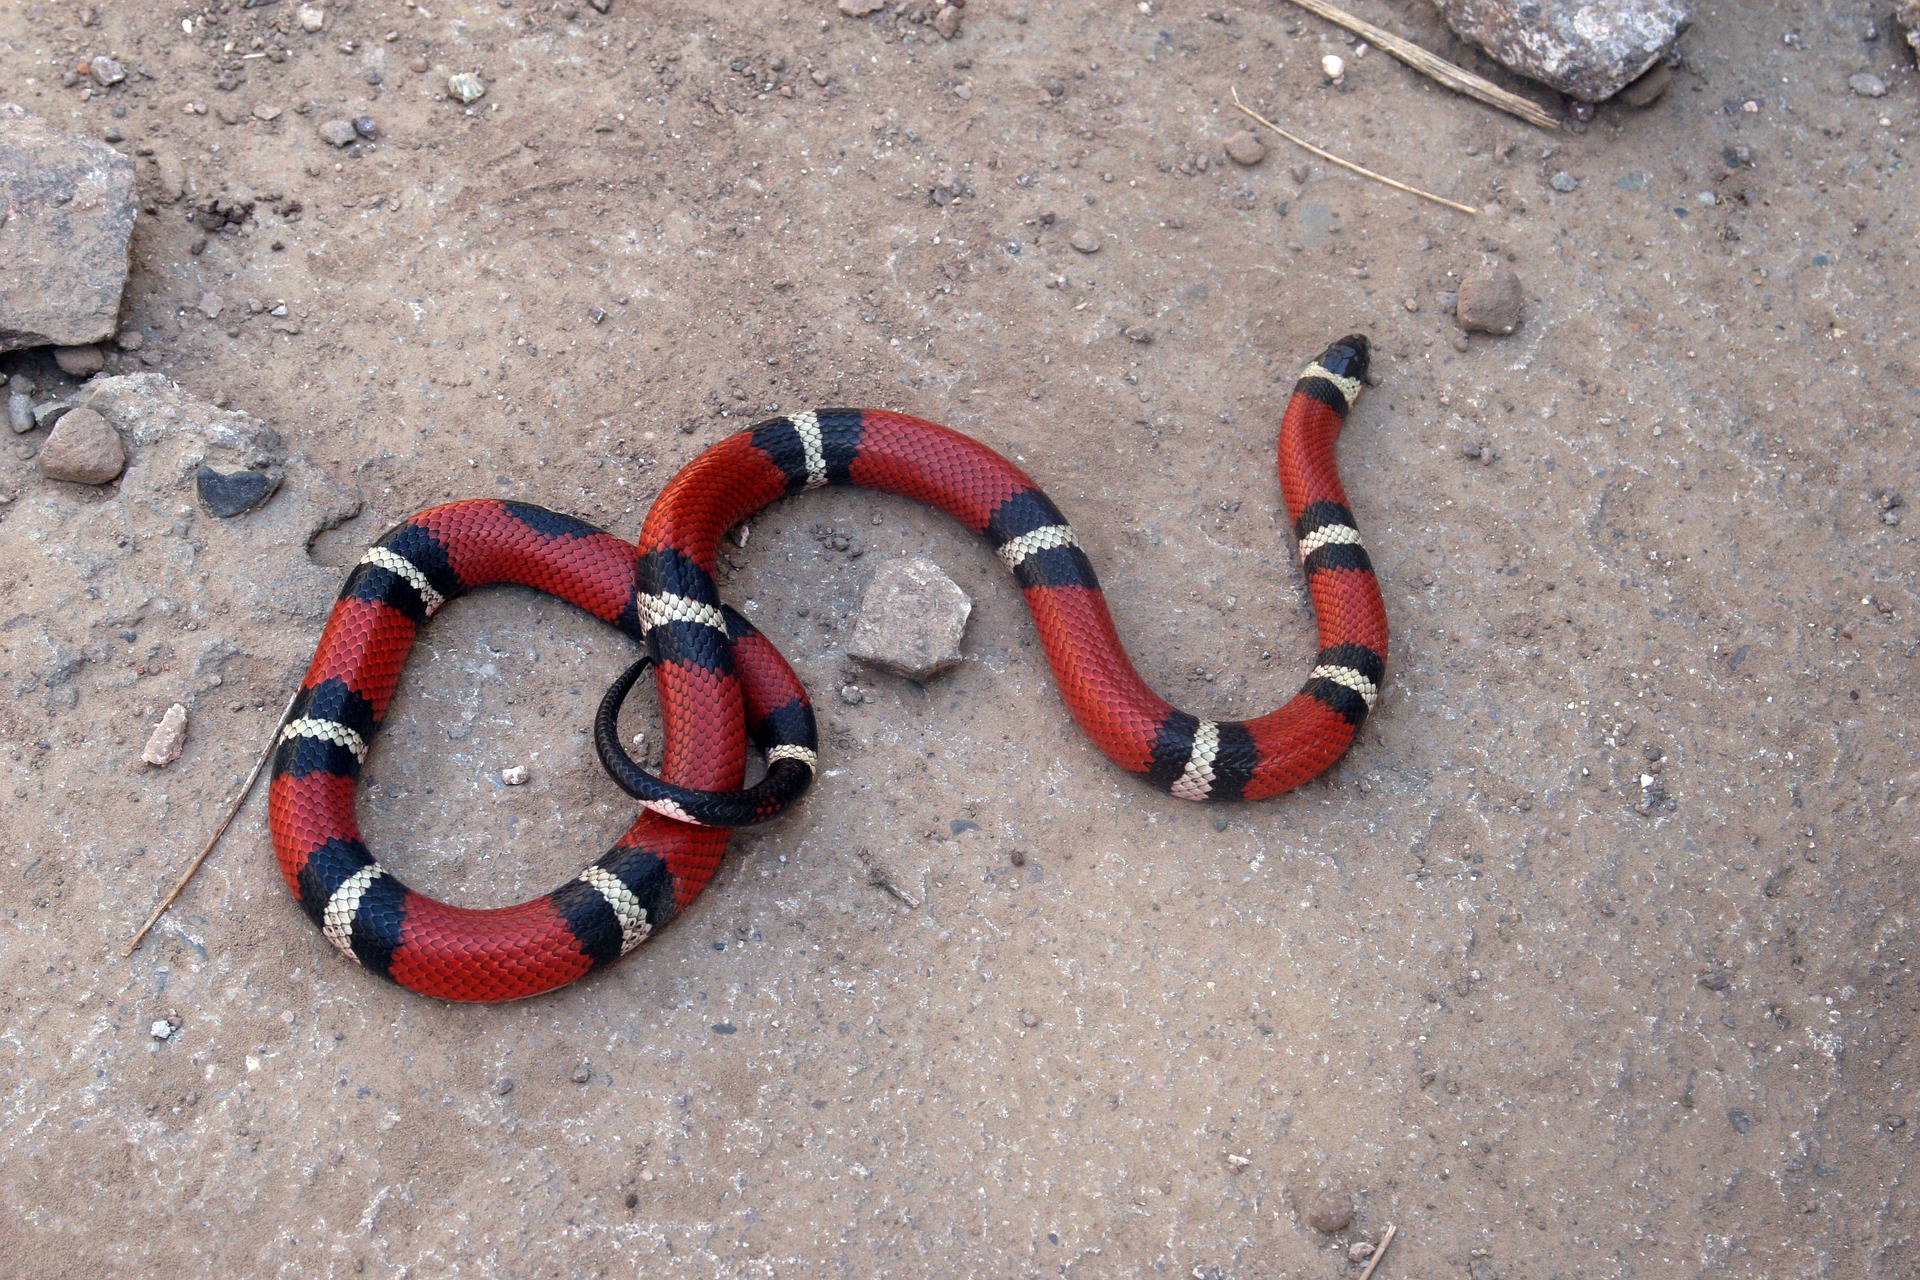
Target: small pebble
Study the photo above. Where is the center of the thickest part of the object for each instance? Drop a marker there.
(162, 1029)
(515, 775)
(79, 362)
(1029, 1019)
(20, 413)
(211, 305)
(467, 87)
(1359, 1251)
(365, 127)
(1333, 66)
(227, 495)
(312, 17)
(1245, 149)
(1138, 333)
(1085, 241)
(265, 111)
(1470, 449)
(947, 21)
(1564, 181)
(861, 8)
(83, 448)
(1330, 1211)
(1489, 301)
(337, 133)
(821, 79)
(1867, 85)
(108, 72)
(851, 694)
(582, 1073)
(169, 737)
(1645, 91)
(503, 1086)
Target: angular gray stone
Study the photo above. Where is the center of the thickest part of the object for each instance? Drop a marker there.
(229, 494)
(66, 217)
(1490, 301)
(83, 448)
(912, 618)
(1587, 49)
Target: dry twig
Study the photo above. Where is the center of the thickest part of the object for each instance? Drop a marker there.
(1458, 79)
(1348, 164)
(1379, 1253)
(233, 811)
(877, 877)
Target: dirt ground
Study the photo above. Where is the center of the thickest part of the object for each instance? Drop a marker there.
(1592, 959)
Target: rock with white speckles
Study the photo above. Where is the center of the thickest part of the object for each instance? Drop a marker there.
(1587, 49)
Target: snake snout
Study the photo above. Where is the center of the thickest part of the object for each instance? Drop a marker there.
(1348, 357)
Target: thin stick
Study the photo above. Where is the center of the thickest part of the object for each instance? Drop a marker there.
(233, 811)
(1458, 79)
(877, 877)
(1378, 1254)
(1348, 164)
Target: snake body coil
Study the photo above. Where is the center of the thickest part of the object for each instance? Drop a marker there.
(721, 682)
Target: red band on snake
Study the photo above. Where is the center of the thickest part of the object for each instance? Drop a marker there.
(721, 682)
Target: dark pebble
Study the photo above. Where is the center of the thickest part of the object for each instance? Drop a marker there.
(724, 1028)
(235, 494)
(365, 127)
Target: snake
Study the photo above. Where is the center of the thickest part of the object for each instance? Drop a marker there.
(722, 684)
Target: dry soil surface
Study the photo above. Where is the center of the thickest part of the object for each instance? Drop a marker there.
(1593, 958)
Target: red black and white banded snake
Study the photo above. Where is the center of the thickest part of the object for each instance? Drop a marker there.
(721, 682)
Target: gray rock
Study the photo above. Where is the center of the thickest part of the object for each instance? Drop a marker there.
(1907, 14)
(66, 217)
(79, 362)
(229, 494)
(1490, 301)
(338, 133)
(912, 618)
(1587, 49)
(84, 448)
(1085, 241)
(1867, 85)
(20, 413)
(1564, 182)
(48, 412)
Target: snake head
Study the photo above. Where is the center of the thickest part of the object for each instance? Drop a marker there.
(1347, 358)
